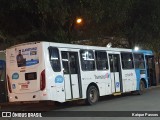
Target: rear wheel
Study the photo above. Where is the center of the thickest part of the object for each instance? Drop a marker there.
(141, 88)
(92, 95)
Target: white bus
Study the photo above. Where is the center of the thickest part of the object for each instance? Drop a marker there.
(40, 71)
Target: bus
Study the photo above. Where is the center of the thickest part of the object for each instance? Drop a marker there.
(148, 67)
(40, 71)
(3, 83)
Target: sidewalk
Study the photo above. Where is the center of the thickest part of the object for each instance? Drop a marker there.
(153, 87)
(27, 106)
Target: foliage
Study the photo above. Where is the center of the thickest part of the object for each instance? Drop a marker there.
(137, 21)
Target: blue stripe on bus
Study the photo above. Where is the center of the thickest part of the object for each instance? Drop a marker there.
(138, 78)
(31, 62)
(138, 75)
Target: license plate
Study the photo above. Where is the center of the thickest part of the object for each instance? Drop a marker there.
(24, 86)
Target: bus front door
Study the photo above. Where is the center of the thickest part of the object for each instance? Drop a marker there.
(151, 73)
(115, 70)
(71, 74)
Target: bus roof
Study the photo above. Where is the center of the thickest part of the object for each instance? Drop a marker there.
(146, 52)
(27, 43)
(76, 46)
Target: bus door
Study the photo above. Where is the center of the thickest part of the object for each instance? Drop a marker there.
(71, 72)
(151, 74)
(115, 70)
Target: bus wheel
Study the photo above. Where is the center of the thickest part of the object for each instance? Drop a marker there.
(141, 88)
(92, 95)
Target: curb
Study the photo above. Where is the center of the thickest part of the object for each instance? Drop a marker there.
(17, 103)
(35, 103)
(153, 87)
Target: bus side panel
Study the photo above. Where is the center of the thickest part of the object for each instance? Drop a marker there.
(139, 76)
(55, 87)
(129, 80)
(100, 78)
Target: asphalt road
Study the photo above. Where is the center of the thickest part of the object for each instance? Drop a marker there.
(150, 101)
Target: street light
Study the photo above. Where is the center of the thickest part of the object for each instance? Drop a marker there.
(109, 45)
(73, 24)
(79, 20)
(136, 48)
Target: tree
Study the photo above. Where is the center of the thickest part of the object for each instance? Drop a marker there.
(28, 20)
(137, 21)
(142, 23)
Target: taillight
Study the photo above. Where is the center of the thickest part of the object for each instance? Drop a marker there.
(9, 84)
(42, 80)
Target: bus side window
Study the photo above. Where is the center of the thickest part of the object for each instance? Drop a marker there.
(127, 60)
(139, 61)
(87, 60)
(101, 60)
(54, 59)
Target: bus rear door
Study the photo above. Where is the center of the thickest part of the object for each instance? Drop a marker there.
(70, 63)
(115, 69)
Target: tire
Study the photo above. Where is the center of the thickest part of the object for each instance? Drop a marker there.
(92, 95)
(141, 88)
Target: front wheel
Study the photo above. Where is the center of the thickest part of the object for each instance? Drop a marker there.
(92, 95)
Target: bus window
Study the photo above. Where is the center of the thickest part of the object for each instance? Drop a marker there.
(69, 61)
(116, 63)
(101, 60)
(73, 63)
(65, 62)
(87, 60)
(111, 63)
(127, 60)
(54, 59)
(139, 61)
